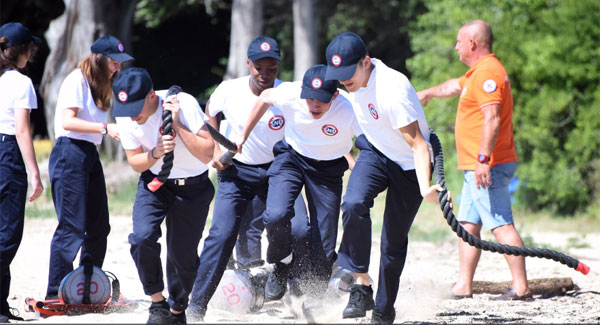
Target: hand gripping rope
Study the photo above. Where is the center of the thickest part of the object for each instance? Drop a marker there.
(440, 179)
(166, 129)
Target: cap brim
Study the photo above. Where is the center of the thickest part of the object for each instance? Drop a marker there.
(36, 39)
(129, 109)
(264, 55)
(319, 95)
(121, 57)
(340, 73)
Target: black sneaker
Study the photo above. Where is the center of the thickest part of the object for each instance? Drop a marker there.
(380, 318)
(12, 314)
(361, 300)
(178, 318)
(277, 282)
(160, 313)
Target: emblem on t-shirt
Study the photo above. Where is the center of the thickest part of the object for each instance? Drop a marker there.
(122, 96)
(316, 83)
(489, 86)
(329, 130)
(276, 122)
(265, 46)
(121, 48)
(373, 111)
(336, 60)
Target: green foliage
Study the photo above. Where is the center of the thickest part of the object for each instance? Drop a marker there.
(153, 12)
(550, 51)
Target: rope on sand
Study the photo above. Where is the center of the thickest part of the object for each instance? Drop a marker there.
(440, 179)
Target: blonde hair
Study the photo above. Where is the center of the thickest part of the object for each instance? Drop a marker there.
(95, 68)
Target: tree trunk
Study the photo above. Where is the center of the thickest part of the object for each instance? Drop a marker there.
(305, 37)
(246, 24)
(69, 38)
(546, 286)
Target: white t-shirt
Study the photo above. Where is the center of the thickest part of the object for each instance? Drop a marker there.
(327, 138)
(235, 99)
(75, 92)
(387, 103)
(16, 91)
(146, 135)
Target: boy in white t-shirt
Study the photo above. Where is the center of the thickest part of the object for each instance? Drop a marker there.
(394, 155)
(242, 189)
(319, 130)
(183, 201)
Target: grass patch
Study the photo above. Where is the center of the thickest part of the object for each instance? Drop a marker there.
(120, 201)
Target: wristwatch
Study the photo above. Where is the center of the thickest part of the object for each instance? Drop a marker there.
(483, 158)
(103, 131)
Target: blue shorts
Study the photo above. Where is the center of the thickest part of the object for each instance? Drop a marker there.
(490, 206)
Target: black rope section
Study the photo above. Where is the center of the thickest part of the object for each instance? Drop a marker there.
(166, 129)
(440, 179)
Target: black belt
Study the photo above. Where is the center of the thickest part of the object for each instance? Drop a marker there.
(183, 181)
(7, 137)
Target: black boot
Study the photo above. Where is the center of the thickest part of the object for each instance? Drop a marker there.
(277, 282)
(361, 300)
(160, 313)
(380, 318)
(178, 319)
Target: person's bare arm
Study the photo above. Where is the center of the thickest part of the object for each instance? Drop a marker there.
(351, 161)
(23, 135)
(489, 136)
(71, 122)
(259, 109)
(417, 143)
(448, 88)
(215, 122)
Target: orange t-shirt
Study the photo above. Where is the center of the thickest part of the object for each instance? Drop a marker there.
(485, 83)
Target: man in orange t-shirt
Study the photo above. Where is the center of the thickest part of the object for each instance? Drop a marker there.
(486, 152)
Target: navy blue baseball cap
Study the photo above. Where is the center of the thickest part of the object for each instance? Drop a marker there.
(112, 47)
(17, 34)
(314, 85)
(263, 47)
(130, 88)
(343, 53)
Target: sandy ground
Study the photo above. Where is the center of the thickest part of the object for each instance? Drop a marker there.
(423, 297)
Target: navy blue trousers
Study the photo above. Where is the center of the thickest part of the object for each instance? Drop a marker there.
(239, 185)
(13, 194)
(248, 247)
(372, 174)
(79, 195)
(185, 208)
(322, 182)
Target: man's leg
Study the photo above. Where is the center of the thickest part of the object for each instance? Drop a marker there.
(470, 219)
(231, 204)
(248, 245)
(367, 180)
(149, 211)
(508, 235)
(401, 205)
(468, 257)
(185, 223)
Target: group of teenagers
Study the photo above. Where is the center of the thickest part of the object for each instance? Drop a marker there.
(291, 136)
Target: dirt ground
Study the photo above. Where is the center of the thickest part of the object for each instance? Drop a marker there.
(423, 297)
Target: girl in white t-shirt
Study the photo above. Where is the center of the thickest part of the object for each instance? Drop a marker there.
(17, 98)
(76, 175)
